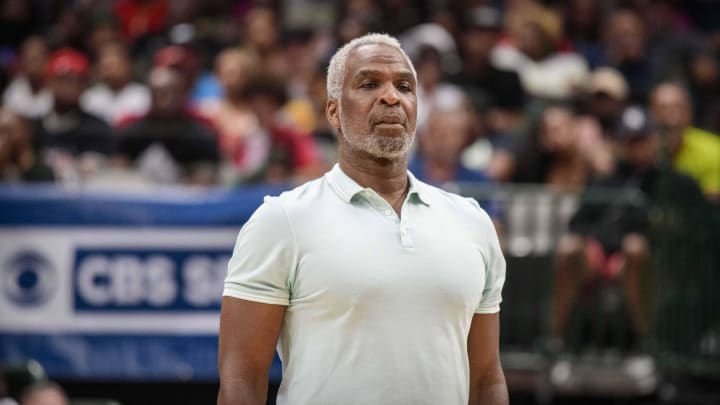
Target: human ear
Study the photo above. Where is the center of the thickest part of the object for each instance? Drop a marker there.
(332, 113)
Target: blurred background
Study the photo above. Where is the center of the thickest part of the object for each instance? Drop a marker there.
(137, 136)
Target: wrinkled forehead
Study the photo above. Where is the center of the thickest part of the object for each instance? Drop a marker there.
(377, 57)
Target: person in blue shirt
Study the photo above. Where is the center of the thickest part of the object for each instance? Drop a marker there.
(440, 146)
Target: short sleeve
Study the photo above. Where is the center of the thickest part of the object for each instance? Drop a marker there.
(494, 267)
(264, 257)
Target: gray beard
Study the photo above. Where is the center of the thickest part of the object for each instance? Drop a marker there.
(376, 145)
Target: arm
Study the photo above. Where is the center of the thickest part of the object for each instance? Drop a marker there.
(487, 381)
(248, 334)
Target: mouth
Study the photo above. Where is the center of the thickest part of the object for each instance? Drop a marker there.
(390, 122)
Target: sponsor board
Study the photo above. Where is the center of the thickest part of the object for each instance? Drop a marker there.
(106, 280)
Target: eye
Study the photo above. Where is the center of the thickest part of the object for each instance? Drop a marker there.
(404, 87)
(368, 85)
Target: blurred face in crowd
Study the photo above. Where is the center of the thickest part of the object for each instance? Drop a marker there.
(670, 107)
(167, 88)
(114, 66)
(33, 58)
(478, 42)
(445, 136)
(261, 29)
(704, 69)
(605, 107)
(233, 68)
(558, 130)
(377, 110)
(67, 89)
(641, 151)
(625, 36)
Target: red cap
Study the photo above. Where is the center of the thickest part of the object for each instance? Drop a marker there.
(67, 61)
(171, 56)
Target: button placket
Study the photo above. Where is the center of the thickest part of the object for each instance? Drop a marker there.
(405, 238)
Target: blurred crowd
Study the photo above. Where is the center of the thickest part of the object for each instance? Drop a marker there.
(229, 92)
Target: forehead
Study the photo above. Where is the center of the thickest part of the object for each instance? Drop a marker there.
(380, 57)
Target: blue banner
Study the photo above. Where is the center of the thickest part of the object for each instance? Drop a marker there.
(100, 285)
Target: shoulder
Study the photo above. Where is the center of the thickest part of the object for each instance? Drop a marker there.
(465, 209)
(302, 197)
(703, 140)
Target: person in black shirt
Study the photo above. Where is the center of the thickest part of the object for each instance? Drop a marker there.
(609, 239)
(498, 90)
(67, 128)
(171, 144)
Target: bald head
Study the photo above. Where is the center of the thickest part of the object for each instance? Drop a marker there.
(670, 106)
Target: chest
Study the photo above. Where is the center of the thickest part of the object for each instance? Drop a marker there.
(366, 258)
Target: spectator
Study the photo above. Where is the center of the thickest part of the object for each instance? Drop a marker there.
(27, 93)
(704, 87)
(432, 90)
(691, 150)
(19, 162)
(44, 393)
(115, 96)
(262, 37)
(607, 95)
(533, 52)
(497, 91)
(551, 155)
(74, 141)
(440, 145)
(171, 144)
(183, 60)
(626, 49)
(232, 115)
(288, 155)
(609, 240)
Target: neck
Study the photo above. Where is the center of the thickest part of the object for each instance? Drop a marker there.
(387, 177)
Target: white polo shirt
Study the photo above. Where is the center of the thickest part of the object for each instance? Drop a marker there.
(378, 306)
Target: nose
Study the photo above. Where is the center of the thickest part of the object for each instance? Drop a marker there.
(389, 95)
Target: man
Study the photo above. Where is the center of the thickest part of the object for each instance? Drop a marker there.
(27, 93)
(72, 141)
(171, 143)
(692, 151)
(441, 144)
(115, 96)
(380, 288)
(609, 239)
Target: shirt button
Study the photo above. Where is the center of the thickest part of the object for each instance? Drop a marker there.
(404, 231)
(388, 212)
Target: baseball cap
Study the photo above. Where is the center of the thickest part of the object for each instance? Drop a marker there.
(609, 81)
(634, 123)
(67, 61)
(171, 56)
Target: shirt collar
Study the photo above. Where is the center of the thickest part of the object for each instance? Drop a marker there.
(346, 188)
